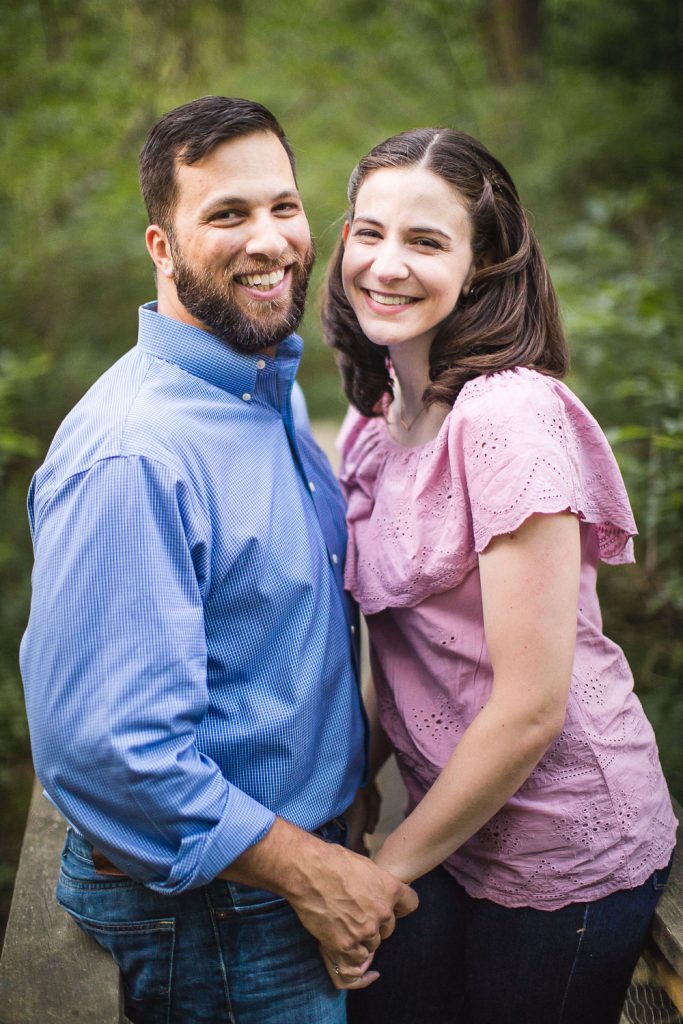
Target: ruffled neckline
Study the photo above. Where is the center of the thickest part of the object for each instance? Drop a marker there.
(515, 443)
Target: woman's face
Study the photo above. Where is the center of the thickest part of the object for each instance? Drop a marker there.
(407, 255)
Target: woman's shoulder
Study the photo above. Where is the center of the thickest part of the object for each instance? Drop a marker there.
(519, 386)
(525, 403)
(530, 445)
(354, 426)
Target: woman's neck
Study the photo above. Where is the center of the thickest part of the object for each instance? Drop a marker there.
(411, 370)
(410, 421)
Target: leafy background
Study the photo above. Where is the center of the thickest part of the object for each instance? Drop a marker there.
(581, 100)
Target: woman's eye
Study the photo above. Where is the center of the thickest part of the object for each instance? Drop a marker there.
(427, 243)
(366, 233)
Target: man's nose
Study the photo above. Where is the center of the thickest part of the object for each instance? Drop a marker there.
(266, 239)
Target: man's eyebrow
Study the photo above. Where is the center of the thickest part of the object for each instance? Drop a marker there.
(242, 201)
(414, 230)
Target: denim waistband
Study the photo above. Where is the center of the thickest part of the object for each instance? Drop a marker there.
(333, 831)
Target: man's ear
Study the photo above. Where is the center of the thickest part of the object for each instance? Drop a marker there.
(159, 249)
(345, 231)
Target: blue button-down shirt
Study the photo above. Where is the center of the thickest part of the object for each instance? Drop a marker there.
(188, 663)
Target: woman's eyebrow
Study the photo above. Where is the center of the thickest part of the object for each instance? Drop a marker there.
(367, 220)
(414, 230)
(426, 230)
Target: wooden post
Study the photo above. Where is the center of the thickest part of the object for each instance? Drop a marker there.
(665, 949)
(51, 970)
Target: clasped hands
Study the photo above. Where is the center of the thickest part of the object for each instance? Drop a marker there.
(367, 910)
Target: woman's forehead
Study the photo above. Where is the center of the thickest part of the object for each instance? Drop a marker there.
(404, 193)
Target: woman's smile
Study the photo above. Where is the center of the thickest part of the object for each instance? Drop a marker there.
(390, 302)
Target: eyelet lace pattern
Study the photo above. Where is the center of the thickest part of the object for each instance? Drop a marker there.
(594, 815)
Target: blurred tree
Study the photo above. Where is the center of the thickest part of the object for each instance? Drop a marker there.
(516, 32)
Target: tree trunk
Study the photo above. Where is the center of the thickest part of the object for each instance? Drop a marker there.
(516, 36)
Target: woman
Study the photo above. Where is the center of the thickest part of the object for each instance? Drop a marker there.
(481, 497)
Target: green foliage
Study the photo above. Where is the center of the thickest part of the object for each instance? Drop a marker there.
(627, 325)
(593, 142)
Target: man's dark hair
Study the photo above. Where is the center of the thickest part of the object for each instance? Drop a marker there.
(510, 317)
(188, 133)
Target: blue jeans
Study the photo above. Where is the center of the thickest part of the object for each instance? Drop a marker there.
(459, 960)
(221, 954)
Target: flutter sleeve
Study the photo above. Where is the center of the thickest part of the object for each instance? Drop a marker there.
(528, 445)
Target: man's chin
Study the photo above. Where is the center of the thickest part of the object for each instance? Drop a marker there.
(243, 323)
(251, 337)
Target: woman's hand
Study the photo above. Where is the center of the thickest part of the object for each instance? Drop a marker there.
(348, 977)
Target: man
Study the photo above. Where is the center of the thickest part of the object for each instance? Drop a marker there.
(189, 658)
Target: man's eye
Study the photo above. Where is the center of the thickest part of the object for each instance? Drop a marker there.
(226, 215)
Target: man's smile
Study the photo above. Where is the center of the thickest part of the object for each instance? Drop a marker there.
(266, 285)
(265, 280)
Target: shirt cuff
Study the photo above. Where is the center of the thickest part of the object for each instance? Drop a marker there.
(202, 857)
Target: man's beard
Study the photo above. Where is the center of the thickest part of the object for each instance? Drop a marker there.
(249, 326)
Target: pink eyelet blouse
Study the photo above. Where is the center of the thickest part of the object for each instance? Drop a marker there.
(594, 816)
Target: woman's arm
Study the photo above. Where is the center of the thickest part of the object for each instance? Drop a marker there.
(530, 587)
(379, 750)
(363, 814)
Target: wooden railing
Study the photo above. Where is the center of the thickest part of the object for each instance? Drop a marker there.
(664, 954)
(51, 971)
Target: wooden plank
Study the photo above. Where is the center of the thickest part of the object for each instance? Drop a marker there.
(50, 970)
(667, 927)
(664, 976)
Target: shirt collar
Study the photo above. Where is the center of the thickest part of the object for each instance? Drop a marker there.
(204, 355)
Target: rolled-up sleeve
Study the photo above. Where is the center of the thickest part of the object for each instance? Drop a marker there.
(114, 662)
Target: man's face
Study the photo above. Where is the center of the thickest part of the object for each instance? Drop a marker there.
(241, 244)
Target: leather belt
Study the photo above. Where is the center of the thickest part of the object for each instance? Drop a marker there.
(103, 866)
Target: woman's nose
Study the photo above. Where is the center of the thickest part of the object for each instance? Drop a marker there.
(389, 263)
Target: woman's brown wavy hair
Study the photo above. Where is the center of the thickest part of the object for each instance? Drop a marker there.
(510, 316)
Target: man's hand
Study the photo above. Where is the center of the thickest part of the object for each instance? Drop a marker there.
(349, 904)
(344, 900)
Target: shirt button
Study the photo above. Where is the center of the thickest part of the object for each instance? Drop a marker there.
(335, 559)
(246, 397)
(311, 486)
(261, 364)
(353, 630)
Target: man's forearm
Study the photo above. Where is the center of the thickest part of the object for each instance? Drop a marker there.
(278, 862)
(344, 900)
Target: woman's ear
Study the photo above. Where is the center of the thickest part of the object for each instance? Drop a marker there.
(467, 283)
(345, 231)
